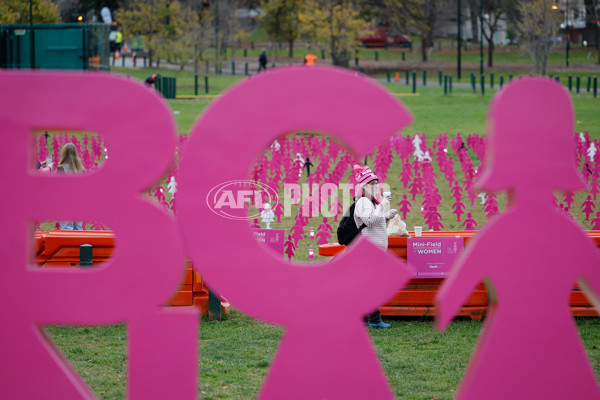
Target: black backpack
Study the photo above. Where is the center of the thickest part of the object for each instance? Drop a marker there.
(347, 230)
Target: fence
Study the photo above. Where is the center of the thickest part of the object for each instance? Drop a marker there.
(55, 46)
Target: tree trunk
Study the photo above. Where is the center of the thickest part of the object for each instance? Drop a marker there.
(291, 43)
(423, 47)
(491, 52)
(474, 11)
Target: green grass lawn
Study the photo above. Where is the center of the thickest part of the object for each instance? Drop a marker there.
(235, 354)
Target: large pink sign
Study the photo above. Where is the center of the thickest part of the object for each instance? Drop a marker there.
(433, 257)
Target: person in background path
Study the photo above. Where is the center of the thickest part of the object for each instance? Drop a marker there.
(370, 210)
(151, 79)
(262, 61)
(70, 163)
(309, 59)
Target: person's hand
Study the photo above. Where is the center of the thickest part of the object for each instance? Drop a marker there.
(391, 213)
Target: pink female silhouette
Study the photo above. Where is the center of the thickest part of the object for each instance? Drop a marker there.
(278, 211)
(587, 207)
(469, 223)
(404, 206)
(456, 191)
(323, 236)
(417, 186)
(568, 200)
(459, 209)
(289, 247)
(596, 222)
(255, 224)
(297, 232)
(521, 354)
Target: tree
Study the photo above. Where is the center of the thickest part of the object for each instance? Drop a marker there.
(281, 21)
(495, 10)
(333, 22)
(157, 21)
(474, 14)
(420, 15)
(17, 12)
(538, 20)
(592, 21)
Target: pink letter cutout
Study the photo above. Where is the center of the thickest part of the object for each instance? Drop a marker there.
(318, 357)
(530, 256)
(147, 265)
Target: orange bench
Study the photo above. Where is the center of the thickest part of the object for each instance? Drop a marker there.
(61, 249)
(417, 298)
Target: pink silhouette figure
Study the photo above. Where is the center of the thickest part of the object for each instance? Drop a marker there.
(404, 206)
(97, 226)
(297, 232)
(405, 174)
(459, 209)
(491, 205)
(278, 211)
(456, 191)
(289, 247)
(596, 222)
(323, 232)
(569, 197)
(469, 223)
(433, 220)
(587, 207)
(533, 355)
(255, 224)
(417, 186)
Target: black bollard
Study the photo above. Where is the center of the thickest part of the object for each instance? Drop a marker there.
(501, 81)
(577, 84)
(491, 80)
(482, 84)
(440, 77)
(445, 84)
(407, 78)
(595, 86)
(388, 75)
(424, 77)
(246, 69)
(414, 85)
(206, 85)
(195, 84)
(570, 83)
(376, 56)
(589, 84)
(450, 84)
(86, 258)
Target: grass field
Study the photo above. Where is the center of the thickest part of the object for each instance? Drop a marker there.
(235, 354)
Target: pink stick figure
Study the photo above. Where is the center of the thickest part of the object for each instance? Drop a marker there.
(404, 206)
(587, 207)
(459, 209)
(289, 247)
(596, 222)
(469, 223)
(513, 257)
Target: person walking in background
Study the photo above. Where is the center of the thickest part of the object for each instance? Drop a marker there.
(262, 61)
(70, 163)
(309, 59)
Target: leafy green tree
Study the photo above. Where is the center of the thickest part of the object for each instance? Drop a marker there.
(281, 21)
(335, 23)
(157, 21)
(17, 12)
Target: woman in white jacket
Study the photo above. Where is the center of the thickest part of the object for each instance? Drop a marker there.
(370, 210)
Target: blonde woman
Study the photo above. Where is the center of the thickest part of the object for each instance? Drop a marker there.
(70, 163)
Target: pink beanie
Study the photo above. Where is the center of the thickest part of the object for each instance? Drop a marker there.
(363, 175)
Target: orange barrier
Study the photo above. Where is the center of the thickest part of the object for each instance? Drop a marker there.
(417, 298)
(61, 249)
